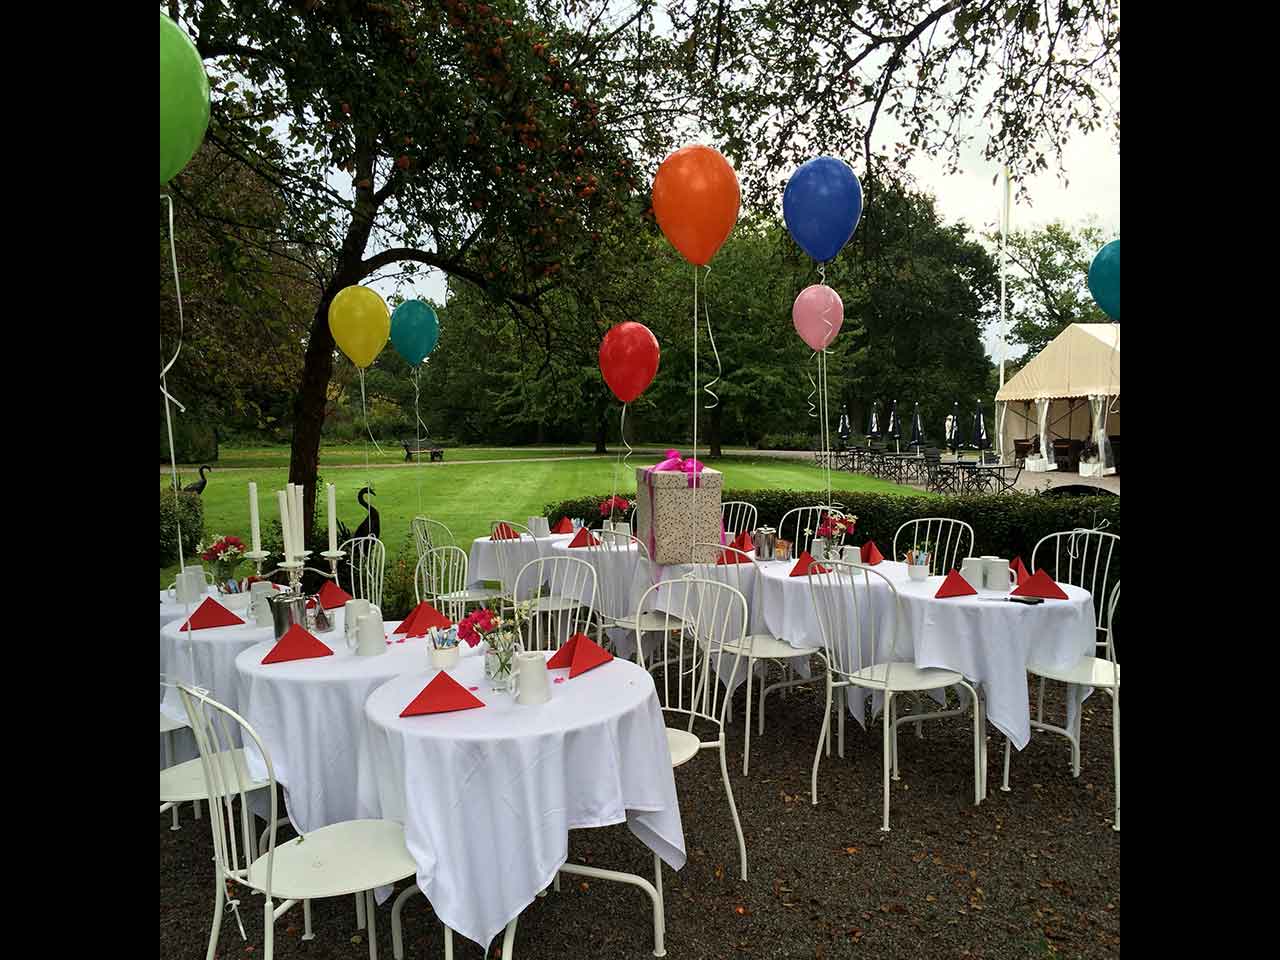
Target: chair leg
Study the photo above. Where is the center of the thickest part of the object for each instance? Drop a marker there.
(1040, 703)
(195, 808)
(822, 737)
(1004, 785)
(915, 708)
(371, 914)
(359, 911)
(219, 906)
(977, 750)
(893, 716)
(1075, 742)
(888, 728)
(746, 750)
(508, 940)
(1115, 746)
(733, 807)
(306, 921)
(841, 710)
(175, 817)
(397, 924)
(268, 930)
(662, 906)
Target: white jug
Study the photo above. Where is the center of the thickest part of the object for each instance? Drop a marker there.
(973, 569)
(997, 574)
(371, 633)
(532, 685)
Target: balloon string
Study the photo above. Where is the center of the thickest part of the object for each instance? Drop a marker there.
(813, 411)
(822, 376)
(177, 289)
(417, 431)
(693, 529)
(711, 336)
(365, 409)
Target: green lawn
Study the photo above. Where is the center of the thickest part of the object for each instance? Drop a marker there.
(467, 497)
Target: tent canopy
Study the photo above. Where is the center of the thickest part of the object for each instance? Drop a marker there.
(1083, 360)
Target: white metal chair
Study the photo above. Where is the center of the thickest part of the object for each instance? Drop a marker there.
(509, 558)
(758, 646)
(563, 590)
(799, 525)
(429, 534)
(367, 561)
(710, 622)
(737, 516)
(440, 577)
(1101, 672)
(354, 856)
(170, 792)
(950, 542)
(1081, 558)
(617, 559)
(852, 652)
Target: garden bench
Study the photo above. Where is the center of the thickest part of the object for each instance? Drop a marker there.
(436, 452)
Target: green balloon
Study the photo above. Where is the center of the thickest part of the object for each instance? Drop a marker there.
(184, 100)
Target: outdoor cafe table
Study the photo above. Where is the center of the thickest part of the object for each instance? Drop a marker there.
(214, 650)
(989, 641)
(488, 796)
(482, 561)
(171, 609)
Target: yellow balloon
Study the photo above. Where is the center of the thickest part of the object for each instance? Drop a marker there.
(360, 323)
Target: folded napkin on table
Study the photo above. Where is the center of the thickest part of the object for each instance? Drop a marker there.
(296, 644)
(1020, 569)
(422, 616)
(806, 565)
(564, 526)
(743, 542)
(333, 596)
(871, 553)
(955, 586)
(504, 531)
(580, 654)
(442, 695)
(584, 539)
(211, 614)
(1040, 584)
(732, 556)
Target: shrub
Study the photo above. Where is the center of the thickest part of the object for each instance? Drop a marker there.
(397, 585)
(786, 441)
(193, 442)
(191, 510)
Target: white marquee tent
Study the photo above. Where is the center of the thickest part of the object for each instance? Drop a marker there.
(1070, 390)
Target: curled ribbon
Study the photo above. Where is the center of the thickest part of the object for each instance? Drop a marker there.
(710, 336)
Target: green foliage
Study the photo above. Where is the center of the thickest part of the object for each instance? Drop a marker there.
(194, 441)
(1007, 525)
(398, 595)
(788, 441)
(191, 510)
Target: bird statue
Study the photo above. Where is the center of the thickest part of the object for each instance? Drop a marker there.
(370, 526)
(199, 485)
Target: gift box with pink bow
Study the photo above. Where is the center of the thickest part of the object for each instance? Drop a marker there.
(678, 504)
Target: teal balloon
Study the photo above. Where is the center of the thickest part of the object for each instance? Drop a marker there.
(1104, 279)
(415, 330)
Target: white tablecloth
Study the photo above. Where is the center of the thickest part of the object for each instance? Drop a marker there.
(482, 561)
(989, 641)
(488, 796)
(172, 610)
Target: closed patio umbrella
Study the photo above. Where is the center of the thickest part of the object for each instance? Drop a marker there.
(873, 427)
(980, 439)
(843, 429)
(895, 427)
(952, 427)
(917, 428)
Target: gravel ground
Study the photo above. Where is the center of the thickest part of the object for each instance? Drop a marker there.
(1031, 873)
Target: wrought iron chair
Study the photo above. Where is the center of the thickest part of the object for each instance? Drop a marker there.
(737, 516)
(429, 534)
(440, 578)
(563, 590)
(951, 540)
(367, 562)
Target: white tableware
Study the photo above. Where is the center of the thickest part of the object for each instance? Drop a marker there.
(189, 586)
(532, 683)
(973, 569)
(851, 554)
(442, 658)
(259, 590)
(237, 602)
(818, 548)
(918, 572)
(353, 610)
(372, 636)
(540, 526)
(997, 574)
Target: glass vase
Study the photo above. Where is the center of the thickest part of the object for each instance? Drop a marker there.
(499, 664)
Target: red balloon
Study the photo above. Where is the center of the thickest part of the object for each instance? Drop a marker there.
(696, 200)
(629, 359)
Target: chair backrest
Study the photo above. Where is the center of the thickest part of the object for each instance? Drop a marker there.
(367, 561)
(508, 554)
(703, 616)
(616, 559)
(853, 632)
(217, 729)
(429, 534)
(1083, 558)
(1112, 605)
(800, 525)
(563, 593)
(950, 541)
(440, 572)
(733, 574)
(738, 515)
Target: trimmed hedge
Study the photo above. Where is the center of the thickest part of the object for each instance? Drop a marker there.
(192, 510)
(1004, 525)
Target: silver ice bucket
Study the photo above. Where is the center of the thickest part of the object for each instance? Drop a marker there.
(765, 539)
(286, 610)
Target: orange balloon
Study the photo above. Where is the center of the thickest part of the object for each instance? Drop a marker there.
(696, 200)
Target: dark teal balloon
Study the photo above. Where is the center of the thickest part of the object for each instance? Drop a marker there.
(415, 329)
(1104, 279)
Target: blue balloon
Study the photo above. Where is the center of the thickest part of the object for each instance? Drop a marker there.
(415, 329)
(1104, 279)
(822, 205)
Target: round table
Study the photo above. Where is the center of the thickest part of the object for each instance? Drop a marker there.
(488, 796)
(482, 561)
(310, 716)
(171, 610)
(990, 641)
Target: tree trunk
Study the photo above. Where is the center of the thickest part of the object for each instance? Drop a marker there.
(309, 408)
(713, 433)
(602, 428)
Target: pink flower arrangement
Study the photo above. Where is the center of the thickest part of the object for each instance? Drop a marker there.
(620, 504)
(836, 526)
(475, 625)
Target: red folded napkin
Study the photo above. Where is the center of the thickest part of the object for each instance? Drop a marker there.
(504, 531)
(333, 596)
(1040, 584)
(564, 526)
(442, 695)
(871, 553)
(584, 539)
(743, 542)
(296, 644)
(955, 586)
(211, 614)
(423, 616)
(1017, 566)
(804, 564)
(580, 654)
(732, 556)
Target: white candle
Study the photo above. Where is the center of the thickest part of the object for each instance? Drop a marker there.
(299, 521)
(253, 516)
(286, 530)
(333, 514)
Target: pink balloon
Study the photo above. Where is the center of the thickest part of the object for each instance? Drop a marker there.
(818, 313)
